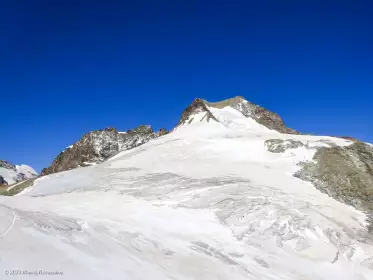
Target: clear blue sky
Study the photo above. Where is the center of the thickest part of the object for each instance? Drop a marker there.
(68, 67)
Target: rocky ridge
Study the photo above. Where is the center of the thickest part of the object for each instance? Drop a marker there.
(99, 145)
(7, 165)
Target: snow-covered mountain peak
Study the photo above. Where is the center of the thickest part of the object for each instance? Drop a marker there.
(234, 112)
(227, 195)
(16, 173)
(27, 170)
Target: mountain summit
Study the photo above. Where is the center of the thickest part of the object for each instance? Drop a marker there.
(16, 173)
(210, 111)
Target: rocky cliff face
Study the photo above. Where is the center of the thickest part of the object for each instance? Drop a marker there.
(259, 114)
(344, 173)
(99, 145)
(16, 173)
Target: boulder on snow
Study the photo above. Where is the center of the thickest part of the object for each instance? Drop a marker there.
(2, 181)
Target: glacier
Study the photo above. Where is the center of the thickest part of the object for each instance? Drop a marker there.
(207, 201)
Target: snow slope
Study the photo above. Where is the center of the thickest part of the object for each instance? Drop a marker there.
(207, 201)
(8, 174)
(28, 171)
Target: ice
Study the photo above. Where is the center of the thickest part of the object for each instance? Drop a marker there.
(207, 201)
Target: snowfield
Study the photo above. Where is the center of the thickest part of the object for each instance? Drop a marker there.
(207, 201)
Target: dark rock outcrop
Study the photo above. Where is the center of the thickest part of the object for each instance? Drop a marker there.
(349, 138)
(7, 165)
(344, 173)
(197, 106)
(162, 132)
(280, 146)
(2, 181)
(99, 145)
(271, 120)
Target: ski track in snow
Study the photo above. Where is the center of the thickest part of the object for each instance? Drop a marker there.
(10, 226)
(207, 201)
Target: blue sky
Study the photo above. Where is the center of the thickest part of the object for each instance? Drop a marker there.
(68, 67)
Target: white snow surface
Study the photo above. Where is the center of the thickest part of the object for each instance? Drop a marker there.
(27, 170)
(207, 201)
(232, 118)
